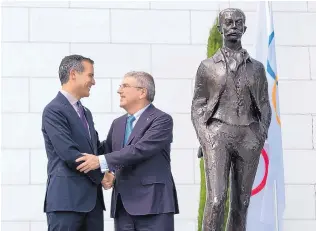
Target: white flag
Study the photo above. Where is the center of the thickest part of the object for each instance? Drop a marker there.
(267, 202)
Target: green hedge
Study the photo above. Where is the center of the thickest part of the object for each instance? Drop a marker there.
(215, 41)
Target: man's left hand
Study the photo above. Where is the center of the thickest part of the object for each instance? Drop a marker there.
(108, 180)
(90, 162)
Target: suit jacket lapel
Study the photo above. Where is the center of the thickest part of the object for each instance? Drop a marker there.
(250, 77)
(141, 123)
(120, 131)
(219, 60)
(74, 115)
(92, 132)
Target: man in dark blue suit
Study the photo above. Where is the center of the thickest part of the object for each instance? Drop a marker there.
(138, 144)
(74, 200)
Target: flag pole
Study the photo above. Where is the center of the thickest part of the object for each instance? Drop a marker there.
(269, 8)
(276, 206)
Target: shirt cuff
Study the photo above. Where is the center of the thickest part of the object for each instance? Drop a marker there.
(103, 164)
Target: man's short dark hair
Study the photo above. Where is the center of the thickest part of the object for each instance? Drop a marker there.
(69, 63)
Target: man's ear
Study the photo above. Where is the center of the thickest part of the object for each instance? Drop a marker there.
(144, 93)
(72, 74)
(219, 29)
(245, 28)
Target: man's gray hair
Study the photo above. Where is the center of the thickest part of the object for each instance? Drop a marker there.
(69, 63)
(144, 80)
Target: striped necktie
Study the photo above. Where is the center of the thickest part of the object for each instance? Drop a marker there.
(83, 117)
(128, 128)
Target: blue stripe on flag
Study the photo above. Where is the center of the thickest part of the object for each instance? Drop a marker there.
(270, 71)
(271, 37)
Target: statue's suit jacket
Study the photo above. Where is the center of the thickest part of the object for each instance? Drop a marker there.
(210, 83)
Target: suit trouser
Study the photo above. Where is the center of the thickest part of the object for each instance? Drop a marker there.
(75, 221)
(123, 221)
(236, 150)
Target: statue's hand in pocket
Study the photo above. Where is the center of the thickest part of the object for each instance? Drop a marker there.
(257, 129)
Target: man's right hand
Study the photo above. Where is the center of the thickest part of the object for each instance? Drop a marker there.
(108, 180)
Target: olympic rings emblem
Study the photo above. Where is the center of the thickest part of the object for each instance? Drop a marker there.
(263, 182)
(274, 100)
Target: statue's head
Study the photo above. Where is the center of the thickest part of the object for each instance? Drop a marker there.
(231, 23)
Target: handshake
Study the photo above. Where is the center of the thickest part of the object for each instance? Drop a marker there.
(108, 180)
(91, 162)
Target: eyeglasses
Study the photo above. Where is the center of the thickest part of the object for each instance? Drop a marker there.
(123, 86)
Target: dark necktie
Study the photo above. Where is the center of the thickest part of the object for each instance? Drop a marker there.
(234, 61)
(83, 117)
(128, 128)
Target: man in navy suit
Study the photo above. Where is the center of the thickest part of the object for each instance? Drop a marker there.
(74, 200)
(138, 144)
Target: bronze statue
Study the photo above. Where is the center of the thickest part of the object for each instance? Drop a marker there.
(231, 115)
